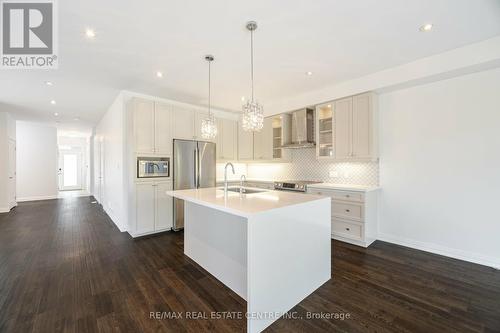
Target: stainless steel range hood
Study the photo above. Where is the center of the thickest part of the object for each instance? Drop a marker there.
(302, 130)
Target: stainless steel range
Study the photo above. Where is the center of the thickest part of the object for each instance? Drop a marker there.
(294, 185)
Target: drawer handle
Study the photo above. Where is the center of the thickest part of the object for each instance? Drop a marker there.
(348, 210)
(347, 196)
(348, 229)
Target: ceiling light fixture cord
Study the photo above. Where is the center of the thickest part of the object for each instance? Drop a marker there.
(209, 92)
(251, 57)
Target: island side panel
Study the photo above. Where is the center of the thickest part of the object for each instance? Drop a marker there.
(289, 256)
(217, 241)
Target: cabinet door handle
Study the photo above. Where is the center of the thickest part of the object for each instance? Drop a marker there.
(348, 210)
(347, 196)
(348, 229)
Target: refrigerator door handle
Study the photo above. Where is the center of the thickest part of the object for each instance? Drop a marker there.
(195, 168)
(198, 167)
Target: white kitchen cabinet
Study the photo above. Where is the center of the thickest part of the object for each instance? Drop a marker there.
(263, 141)
(145, 208)
(353, 126)
(281, 135)
(245, 145)
(183, 123)
(164, 207)
(364, 128)
(143, 115)
(353, 216)
(324, 131)
(152, 123)
(153, 207)
(227, 139)
(343, 128)
(163, 129)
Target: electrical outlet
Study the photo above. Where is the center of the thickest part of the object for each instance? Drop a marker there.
(334, 174)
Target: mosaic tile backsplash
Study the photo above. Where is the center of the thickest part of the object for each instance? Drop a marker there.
(305, 166)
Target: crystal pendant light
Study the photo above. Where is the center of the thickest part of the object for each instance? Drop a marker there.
(253, 112)
(208, 126)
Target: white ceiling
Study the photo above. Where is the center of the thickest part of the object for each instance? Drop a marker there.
(336, 40)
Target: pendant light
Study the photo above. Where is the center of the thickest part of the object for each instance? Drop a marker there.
(253, 112)
(208, 126)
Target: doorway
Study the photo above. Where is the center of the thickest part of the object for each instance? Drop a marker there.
(70, 170)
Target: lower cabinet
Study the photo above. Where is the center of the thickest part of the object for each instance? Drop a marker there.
(354, 215)
(153, 207)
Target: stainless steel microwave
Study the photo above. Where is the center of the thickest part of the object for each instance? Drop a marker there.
(149, 167)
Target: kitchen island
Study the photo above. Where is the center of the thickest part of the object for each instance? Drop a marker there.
(272, 248)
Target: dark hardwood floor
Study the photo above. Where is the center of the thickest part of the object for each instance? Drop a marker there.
(64, 267)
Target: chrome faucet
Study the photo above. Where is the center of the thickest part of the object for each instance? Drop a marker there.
(243, 179)
(225, 175)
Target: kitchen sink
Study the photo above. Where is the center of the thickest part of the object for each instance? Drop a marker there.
(245, 190)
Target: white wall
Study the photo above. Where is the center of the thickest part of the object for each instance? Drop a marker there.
(36, 161)
(110, 131)
(440, 167)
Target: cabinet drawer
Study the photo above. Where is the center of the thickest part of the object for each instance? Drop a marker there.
(318, 192)
(346, 229)
(348, 196)
(347, 210)
(339, 195)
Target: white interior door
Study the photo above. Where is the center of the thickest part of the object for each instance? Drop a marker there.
(12, 173)
(70, 170)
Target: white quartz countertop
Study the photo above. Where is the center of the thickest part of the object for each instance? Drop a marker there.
(243, 205)
(344, 187)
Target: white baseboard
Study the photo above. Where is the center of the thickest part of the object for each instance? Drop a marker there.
(36, 198)
(4, 210)
(134, 235)
(442, 250)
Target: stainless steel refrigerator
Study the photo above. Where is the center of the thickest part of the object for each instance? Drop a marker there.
(193, 167)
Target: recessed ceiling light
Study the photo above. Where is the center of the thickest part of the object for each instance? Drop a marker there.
(49, 83)
(329, 105)
(53, 102)
(159, 74)
(89, 33)
(309, 73)
(426, 27)
(242, 98)
(56, 114)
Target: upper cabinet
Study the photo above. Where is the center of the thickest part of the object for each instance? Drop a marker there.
(152, 127)
(245, 145)
(281, 135)
(263, 141)
(346, 129)
(227, 139)
(144, 118)
(266, 145)
(183, 123)
(163, 129)
(324, 130)
(156, 124)
(364, 126)
(343, 128)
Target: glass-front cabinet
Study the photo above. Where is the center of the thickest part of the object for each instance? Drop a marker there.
(325, 128)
